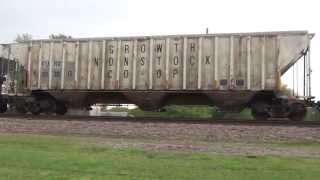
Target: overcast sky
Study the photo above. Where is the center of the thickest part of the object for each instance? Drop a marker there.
(96, 18)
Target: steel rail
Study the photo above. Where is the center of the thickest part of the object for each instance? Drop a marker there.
(269, 122)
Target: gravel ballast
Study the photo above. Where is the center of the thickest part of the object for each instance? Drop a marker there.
(162, 130)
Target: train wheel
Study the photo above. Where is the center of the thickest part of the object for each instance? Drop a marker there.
(21, 109)
(259, 116)
(298, 112)
(3, 107)
(259, 110)
(34, 108)
(48, 106)
(61, 108)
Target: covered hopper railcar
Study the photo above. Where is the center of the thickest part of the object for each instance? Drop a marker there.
(230, 71)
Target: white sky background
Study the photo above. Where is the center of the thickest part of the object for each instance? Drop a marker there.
(99, 18)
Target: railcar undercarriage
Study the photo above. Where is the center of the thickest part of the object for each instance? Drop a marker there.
(264, 104)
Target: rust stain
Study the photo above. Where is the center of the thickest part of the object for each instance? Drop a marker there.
(278, 81)
(216, 84)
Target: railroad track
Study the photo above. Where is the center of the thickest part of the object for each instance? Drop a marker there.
(275, 122)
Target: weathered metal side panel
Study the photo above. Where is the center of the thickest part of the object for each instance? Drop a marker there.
(271, 62)
(20, 56)
(33, 72)
(95, 65)
(126, 65)
(2, 59)
(16, 78)
(142, 64)
(208, 64)
(5, 51)
(191, 62)
(159, 64)
(1, 50)
(223, 62)
(110, 73)
(19, 52)
(83, 64)
(255, 82)
(69, 66)
(240, 62)
(175, 64)
(44, 66)
(56, 65)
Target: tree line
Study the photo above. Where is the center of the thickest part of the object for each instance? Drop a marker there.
(27, 37)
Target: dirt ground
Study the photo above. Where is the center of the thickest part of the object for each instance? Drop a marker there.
(179, 137)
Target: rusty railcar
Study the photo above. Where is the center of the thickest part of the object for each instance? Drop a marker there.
(231, 71)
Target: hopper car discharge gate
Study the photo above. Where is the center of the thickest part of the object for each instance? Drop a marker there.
(230, 71)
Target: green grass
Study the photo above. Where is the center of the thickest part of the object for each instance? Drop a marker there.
(46, 157)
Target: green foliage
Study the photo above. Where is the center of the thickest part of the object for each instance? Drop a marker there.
(23, 37)
(59, 36)
(176, 112)
(192, 112)
(32, 157)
